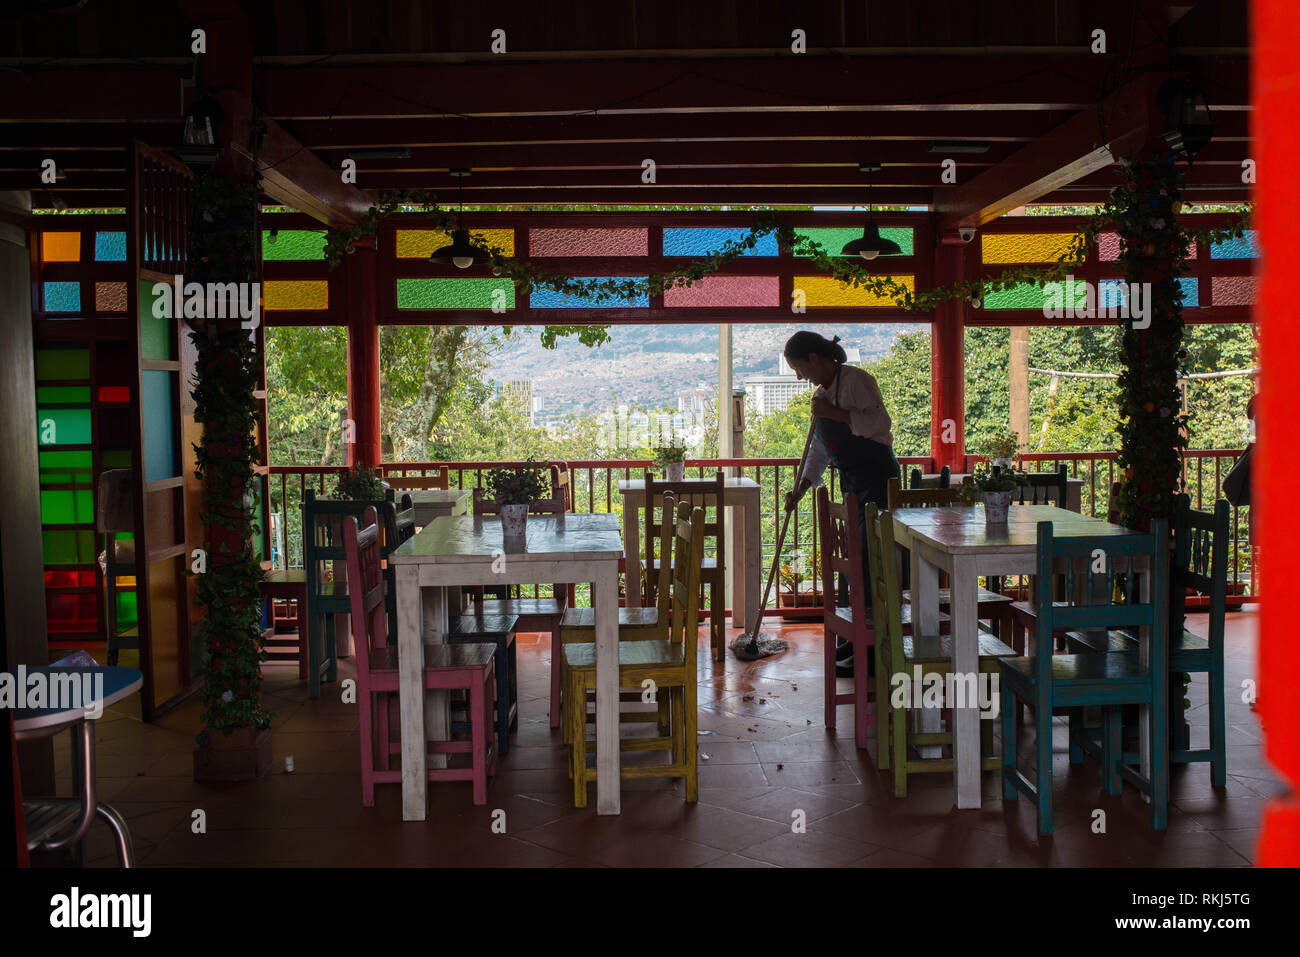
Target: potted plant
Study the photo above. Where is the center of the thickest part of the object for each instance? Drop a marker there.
(671, 457)
(796, 579)
(360, 484)
(994, 488)
(1003, 448)
(514, 489)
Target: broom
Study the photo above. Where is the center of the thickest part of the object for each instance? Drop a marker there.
(748, 646)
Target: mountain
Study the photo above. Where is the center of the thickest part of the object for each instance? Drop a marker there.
(650, 365)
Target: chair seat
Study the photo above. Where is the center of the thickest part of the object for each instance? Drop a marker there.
(1122, 642)
(1024, 609)
(984, 597)
(483, 626)
(1079, 668)
(584, 619)
(710, 566)
(47, 819)
(523, 607)
(436, 657)
(933, 649)
(846, 614)
(582, 656)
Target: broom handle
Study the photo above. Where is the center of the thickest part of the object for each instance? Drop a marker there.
(780, 540)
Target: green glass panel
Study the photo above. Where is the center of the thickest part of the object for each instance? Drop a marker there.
(63, 426)
(67, 507)
(115, 458)
(65, 468)
(62, 363)
(66, 459)
(832, 238)
(68, 546)
(294, 244)
(56, 394)
(452, 293)
(1026, 295)
(155, 333)
(127, 615)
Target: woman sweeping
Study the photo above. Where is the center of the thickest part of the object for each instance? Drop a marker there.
(851, 431)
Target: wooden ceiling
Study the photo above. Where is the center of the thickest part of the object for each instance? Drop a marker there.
(586, 92)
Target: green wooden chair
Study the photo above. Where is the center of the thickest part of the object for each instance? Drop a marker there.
(1200, 565)
(899, 654)
(1045, 681)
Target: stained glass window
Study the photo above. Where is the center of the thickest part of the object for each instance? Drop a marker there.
(832, 238)
(293, 245)
(594, 241)
(1247, 247)
(309, 294)
(60, 247)
(110, 297)
(1026, 295)
(63, 364)
(726, 291)
(158, 404)
(454, 293)
(110, 247)
(63, 297)
(692, 241)
(1025, 247)
(62, 426)
(421, 243)
(1234, 290)
(829, 291)
(550, 299)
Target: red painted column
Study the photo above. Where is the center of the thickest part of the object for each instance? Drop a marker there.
(947, 364)
(360, 278)
(1277, 148)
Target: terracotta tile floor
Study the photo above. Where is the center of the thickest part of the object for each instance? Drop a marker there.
(767, 756)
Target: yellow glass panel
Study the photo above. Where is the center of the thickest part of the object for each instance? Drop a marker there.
(829, 291)
(420, 243)
(60, 247)
(1025, 247)
(295, 294)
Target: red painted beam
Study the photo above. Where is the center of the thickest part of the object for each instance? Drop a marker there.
(363, 356)
(948, 365)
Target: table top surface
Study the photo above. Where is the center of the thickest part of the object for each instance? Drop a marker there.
(638, 485)
(118, 682)
(964, 527)
(470, 538)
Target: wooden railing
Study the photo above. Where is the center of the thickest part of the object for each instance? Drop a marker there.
(595, 490)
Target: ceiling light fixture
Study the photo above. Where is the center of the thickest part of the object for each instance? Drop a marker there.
(872, 244)
(461, 253)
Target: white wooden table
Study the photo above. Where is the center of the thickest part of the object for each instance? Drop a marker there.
(431, 502)
(957, 540)
(745, 554)
(453, 551)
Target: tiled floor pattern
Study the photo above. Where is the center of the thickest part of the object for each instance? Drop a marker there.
(766, 758)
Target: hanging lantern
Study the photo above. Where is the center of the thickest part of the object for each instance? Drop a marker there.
(872, 244)
(199, 149)
(462, 253)
(1191, 126)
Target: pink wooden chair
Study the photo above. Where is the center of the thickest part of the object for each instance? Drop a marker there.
(448, 667)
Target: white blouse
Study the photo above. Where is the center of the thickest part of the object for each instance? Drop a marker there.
(859, 394)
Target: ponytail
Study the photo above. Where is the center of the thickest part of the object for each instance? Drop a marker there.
(805, 343)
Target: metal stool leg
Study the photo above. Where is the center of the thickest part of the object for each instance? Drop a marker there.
(125, 850)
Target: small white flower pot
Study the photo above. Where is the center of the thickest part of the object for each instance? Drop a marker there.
(514, 520)
(995, 507)
(675, 471)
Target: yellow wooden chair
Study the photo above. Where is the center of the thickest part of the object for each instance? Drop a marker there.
(670, 664)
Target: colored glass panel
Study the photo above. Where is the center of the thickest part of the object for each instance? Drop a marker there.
(692, 241)
(829, 291)
(60, 247)
(158, 404)
(1234, 290)
(295, 294)
(62, 546)
(71, 614)
(114, 393)
(832, 238)
(110, 247)
(1026, 295)
(1025, 247)
(297, 245)
(63, 297)
(115, 458)
(69, 579)
(550, 299)
(1108, 248)
(62, 394)
(421, 243)
(57, 426)
(67, 507)
(594, 241)
(156, 332)
(1247, 247)
(1116, 291)
(127, 613)
(454, 293)
(726, 291)
(110, 297)
(63, 363)
(65, 467)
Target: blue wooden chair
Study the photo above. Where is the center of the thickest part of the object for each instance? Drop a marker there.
(1045, 681)
(1200, 565)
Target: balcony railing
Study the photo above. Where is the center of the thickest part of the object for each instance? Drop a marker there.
(595, 490)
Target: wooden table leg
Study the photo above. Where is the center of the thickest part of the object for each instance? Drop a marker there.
(925, 621)
(632, 549)
(605, 601)
(965, 669)
(437, 702)
(410, 654)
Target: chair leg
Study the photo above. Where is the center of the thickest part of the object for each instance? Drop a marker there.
(899, 745)
(368, 746)
(381, 723)
(1112, 750)
(502, 667)
(884, 712)
(828, 663)
(1043, 771)
(1159, 782)
(1010, 726)
(690, 732)
(1076, 729)
(557, 667)
(576, 715)
(478, 732)
(1218, 733)
(512, 653)
(121, 835)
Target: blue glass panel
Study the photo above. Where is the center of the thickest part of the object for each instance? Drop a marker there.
(1247, 247)
(158, 404)
(700, 242)
(550, 299)
(1115, 291)
(63, 297)
(1191, 292)
(110, 247)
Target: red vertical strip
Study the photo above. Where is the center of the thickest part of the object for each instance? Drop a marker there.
(1276, 142)
(947, 358)
(363, 355)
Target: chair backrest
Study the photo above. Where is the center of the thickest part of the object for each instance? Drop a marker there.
(482, 505)
(366, 590)
(886, 595)
(917, 479)
(399, 526)
(427, 479)
(1041, 488)
(1200, 564)
(688, 568)
(841, 552)
(922, 497)
(708, 494)
(1092, 564)
(562, 485)
(115, 502)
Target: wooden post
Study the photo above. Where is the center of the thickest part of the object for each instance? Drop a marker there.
(1019, 382)
(363, 357)
(947, 365)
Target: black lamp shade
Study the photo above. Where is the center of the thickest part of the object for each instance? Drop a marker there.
(871, 245)
(1191, 125)
(461, 253)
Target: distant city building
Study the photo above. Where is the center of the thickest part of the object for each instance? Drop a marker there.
(523, 389)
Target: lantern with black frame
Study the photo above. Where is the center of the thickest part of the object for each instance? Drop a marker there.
(461, 253)
(872, 244)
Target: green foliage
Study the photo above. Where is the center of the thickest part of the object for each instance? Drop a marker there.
(517, 486)
(360, 484)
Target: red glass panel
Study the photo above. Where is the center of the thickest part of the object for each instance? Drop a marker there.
(114, 393)
(71, 613)
(588, 242)
(1234, 290)
(726, 291)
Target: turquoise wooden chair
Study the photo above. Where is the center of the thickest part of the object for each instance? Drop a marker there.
(1200, 565)
(1045, 681)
